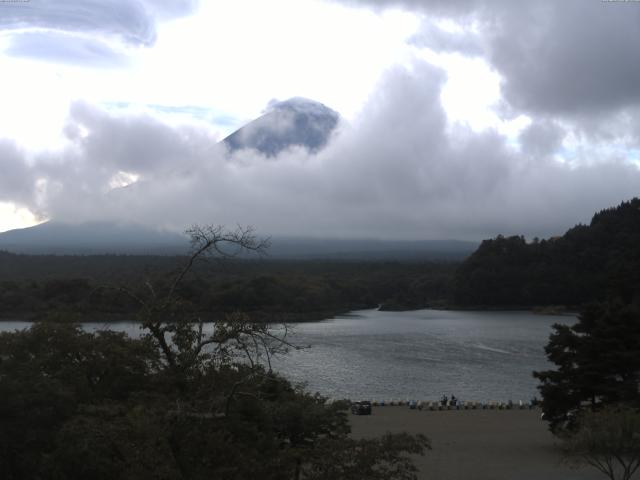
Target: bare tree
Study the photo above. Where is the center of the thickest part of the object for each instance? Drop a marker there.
(181, 334)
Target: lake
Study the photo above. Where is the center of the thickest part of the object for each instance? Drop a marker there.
(423, 354)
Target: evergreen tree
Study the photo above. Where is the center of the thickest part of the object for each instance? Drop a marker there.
(598, 362)
(586, 264)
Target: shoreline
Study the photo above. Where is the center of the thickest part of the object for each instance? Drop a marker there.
(289, 317)
(97, 317)
(559, 310)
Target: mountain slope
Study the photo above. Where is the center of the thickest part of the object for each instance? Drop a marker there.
(294, 122)
(112, 238)
(92, 238)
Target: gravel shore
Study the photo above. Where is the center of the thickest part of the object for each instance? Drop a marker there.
(477, 444)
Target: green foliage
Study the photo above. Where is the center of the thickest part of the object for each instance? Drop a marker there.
(598, 362)
(47, 373)
(586, 264)
(298, 291)
(608, 440)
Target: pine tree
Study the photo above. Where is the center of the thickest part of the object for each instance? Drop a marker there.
(598, 362)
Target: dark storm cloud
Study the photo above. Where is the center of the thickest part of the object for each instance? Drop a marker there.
(574, 58)
(571, 57)
(397, 171)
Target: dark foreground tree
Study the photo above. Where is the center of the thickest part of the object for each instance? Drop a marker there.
(187, 400)
(598, 363)
(608, 440)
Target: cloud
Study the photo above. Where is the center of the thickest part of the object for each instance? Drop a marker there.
(127, 19)
(400, 170)
(84, 31)
(136, 143)
(172, 8)
(573, 59)
(65, 48)
(397, 171)
(570, 57)
(438, 39)
(17, 183)
(542, 138)
(434, 7)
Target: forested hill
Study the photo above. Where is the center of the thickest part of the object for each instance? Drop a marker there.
(586, 264)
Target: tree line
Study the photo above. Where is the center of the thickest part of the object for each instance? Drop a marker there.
(588, 263)
(297, 291)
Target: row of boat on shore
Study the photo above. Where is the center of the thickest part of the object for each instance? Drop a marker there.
(458, 405)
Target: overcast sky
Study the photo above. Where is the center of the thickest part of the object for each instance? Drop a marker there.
(461, 118)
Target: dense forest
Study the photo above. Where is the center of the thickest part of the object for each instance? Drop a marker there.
(588, 263)
(83, 286)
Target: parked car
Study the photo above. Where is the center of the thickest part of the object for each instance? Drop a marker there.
(361, 408)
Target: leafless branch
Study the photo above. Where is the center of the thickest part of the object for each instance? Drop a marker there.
(204, 239)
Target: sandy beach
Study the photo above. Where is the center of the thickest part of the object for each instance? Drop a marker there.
(477, 444)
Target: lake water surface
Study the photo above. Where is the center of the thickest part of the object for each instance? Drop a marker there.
(481, 356)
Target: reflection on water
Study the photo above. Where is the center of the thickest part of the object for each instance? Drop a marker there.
(423, 354)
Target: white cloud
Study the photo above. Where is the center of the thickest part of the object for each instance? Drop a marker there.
(396, 172)
(229, 57)
(468, 118)
(12, 217)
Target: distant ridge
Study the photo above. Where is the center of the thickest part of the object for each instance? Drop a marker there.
(92, 238)
(112, 238)
(370, 249)
(294, 122)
